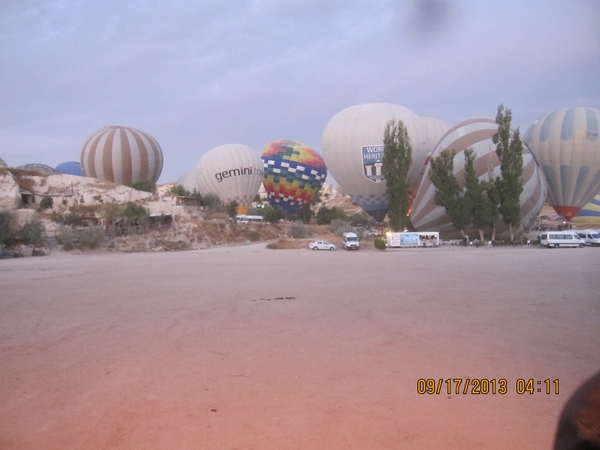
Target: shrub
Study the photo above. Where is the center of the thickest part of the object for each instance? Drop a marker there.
(46, 203)
(273, 214)
(32, 233)
(298, 230)
(110, 212)
(326, 215)
(72, 217)
(5, 230)
(89, 237)
(144, 185)
(135, 214)
(379, 243)
(361, 219)
(232, 208)
(339, 227)
(180, 191)
(65, 236)
(212, 202)
(86, 238)
(305, 214)
(256, 212)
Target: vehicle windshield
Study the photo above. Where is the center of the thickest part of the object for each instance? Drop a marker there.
(595, 235)
(350, 239)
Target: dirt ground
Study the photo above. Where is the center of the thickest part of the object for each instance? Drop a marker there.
(249, 348)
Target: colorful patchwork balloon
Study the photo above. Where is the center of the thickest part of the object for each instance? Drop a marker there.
(294, 173)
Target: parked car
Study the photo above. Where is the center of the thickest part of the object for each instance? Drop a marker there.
(13, 253)
(321, 245)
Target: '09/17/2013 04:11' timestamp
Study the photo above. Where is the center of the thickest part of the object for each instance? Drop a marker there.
(479, 386)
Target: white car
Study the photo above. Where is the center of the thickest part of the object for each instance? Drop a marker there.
(321, 245)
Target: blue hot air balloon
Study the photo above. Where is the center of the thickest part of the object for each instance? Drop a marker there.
(70, 168)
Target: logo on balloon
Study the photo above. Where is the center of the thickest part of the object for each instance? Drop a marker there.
(372, 157)
(220, 176)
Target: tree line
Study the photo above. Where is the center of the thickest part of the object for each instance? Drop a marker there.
(470, 201)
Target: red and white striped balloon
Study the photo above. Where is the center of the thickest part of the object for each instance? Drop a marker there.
(122, 155)
(477, 134)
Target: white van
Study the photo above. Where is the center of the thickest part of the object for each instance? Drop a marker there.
(350, 241)
(248, 219)
(591, 237)
(561, 239)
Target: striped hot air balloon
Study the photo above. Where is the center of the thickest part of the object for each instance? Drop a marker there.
(294, 173)
(590, 212)
(565, 143)
(477, 134)
(121, 155)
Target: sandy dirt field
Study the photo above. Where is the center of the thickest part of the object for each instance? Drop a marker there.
(249, 348)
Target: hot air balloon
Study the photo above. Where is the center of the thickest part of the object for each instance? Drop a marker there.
(121, 155)
(352, 145)
(294, 173)
(590, 212)
(70, 168)
(565, 144)
(477, 134)
(188, 181)
(432, 129)
(231, 171)
(37, 167)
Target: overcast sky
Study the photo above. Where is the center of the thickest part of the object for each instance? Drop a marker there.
(197, 74)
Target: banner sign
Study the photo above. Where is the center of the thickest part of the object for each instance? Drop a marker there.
(372, 157)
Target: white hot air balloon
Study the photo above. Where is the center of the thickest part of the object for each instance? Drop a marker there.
(231, 171)
(352, 147)
(121, 155)
(477, 134)
(188, 181)
(566, 145)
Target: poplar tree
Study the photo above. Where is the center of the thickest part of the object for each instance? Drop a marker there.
(448, 193)
(477, 195)
(510, 185)
(397, 157)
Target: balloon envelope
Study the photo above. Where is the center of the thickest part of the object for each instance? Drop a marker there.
(566, 145)
(477, 134)
(188, 181)
(121, 155)
(294, 173)
(231, 171)
(590, 212)
(352, 145)
(70, 168)
(37, 167)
